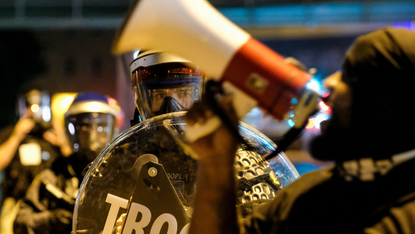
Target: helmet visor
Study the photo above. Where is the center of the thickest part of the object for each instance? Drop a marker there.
(90, 132)
(185, 96)
(166, 88)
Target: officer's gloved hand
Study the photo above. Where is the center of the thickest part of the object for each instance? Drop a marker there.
(62, 220)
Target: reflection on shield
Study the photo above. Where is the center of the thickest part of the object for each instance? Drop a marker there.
(145, 174)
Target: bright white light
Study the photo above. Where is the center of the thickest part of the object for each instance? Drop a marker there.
(136, 53)
(67, 101)
(255, 111)
(94, 106)
(71, 128)
(291, 123)
(100, 128)
(314, 85)
(46, 114)
(34, 108)
(320, 118)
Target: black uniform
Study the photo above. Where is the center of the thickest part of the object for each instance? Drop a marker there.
(49, 202)
(325, 201)
(17, 176)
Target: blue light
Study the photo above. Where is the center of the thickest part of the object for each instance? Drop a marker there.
(291, 123)
(409, 25)
(314, 85)
(316, 14)
(294, 101)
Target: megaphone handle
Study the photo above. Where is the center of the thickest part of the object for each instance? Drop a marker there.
(287, 140)
(306, 107)
(213, 88)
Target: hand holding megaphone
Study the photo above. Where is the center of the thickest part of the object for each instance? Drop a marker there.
(306, 106)
(213, 119)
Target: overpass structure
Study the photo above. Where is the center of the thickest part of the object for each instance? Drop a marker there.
(266, 19)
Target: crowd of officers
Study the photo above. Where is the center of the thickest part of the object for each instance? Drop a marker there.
(43, 160)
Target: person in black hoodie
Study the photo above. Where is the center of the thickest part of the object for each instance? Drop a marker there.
(369, 189)
(91, 123)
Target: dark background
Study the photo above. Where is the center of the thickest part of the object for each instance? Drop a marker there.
(64, 45)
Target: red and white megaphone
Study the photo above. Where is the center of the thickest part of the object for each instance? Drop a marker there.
(196, 31)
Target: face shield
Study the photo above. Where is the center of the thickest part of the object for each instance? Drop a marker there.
(90, 125)
(89, 133)
(164, 83)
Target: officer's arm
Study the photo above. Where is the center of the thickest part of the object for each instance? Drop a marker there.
(9, 148)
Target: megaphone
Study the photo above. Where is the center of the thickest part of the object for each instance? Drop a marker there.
(195, 30)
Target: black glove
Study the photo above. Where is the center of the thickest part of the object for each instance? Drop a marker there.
(62, 221)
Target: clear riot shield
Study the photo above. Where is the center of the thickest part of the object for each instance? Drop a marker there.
(143, 173)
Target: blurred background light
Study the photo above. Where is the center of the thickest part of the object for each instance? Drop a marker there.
(34, 108)
(314, 85)
(136, 53)
(46, 113)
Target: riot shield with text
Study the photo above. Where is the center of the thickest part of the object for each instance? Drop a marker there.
(145, 174)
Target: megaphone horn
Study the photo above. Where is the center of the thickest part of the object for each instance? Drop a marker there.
(195, 30)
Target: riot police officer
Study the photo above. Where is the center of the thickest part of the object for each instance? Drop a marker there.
(90, 124)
